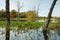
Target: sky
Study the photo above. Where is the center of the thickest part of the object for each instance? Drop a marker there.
(33, 4)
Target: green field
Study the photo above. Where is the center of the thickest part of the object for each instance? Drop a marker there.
(22, 23)
(25, 24)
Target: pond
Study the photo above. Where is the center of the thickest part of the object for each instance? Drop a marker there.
(46, 20)
(28, 34)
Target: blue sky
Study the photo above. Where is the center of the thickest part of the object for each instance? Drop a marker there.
(33, 4)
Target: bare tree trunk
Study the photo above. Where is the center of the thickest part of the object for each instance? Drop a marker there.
(48, 20)
(18, 8)
(7, 20)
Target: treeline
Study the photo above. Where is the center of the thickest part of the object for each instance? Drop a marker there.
(15, 14)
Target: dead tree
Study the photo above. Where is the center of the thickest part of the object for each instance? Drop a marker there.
(48, 20)
(38, 8)
(7, 20)
(18, 7)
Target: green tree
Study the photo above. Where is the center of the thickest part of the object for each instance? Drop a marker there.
(2, 13)
(30, 15)
(22, 15)
(13, 14)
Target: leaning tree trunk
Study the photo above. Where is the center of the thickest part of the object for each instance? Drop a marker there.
(7, 20)
(48, 20)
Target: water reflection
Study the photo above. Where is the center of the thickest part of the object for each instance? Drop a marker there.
(2, 33)
(28, 34)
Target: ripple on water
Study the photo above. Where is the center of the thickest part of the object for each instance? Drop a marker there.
(33, 34)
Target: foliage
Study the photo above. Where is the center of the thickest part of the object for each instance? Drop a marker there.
(14, 14)
(2, 14)
(31, 15)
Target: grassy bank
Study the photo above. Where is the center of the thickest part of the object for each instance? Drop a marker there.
(27, 24)
(22, 23)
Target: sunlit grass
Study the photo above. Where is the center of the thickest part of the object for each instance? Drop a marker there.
(2, 23)
(22, 23)
(25, 24)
